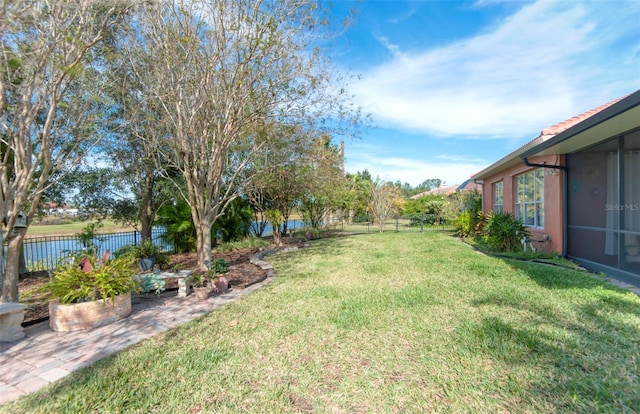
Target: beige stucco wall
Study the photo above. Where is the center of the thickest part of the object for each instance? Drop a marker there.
(552, 199)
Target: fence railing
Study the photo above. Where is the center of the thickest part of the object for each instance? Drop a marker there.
(44, 253)
(416, 223)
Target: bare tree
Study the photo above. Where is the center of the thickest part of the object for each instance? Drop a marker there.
(47, 106)
(384, 202)
(223, 69)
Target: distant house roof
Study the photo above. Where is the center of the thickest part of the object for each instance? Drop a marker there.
(547, 134)
(469, 185)
(442, 190)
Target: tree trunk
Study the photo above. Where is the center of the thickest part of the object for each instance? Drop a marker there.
(277, 236)
(22, 262)
(10, 285)
(203, 243)
(146, 208)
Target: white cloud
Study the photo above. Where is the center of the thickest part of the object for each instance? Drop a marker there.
(414, 172)
(545, 63)
(392, 48)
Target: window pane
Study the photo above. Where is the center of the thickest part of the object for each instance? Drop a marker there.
(539, 177)
(540, 215)
(531, 214)
(520, 191)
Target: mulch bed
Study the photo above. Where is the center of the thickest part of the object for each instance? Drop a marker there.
(241, 274)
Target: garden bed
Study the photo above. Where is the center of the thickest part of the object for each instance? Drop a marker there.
(241, 274)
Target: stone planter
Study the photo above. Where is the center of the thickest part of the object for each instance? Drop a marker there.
(87, 315)
(202, 293)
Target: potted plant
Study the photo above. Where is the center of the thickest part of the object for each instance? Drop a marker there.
(146, 253)
(219, 283)
(85, 292)
(200, 284)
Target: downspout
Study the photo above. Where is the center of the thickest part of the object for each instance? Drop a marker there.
(481, 182)
(565, 231)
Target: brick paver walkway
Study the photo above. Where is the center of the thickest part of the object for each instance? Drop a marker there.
(45, 356)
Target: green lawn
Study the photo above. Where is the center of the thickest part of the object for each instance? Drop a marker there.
(383, 323)
(72, 227)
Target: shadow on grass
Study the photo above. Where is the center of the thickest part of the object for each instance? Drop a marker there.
(317, 251)
(581, 338)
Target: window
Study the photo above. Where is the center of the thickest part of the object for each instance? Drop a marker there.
(497, 197)
(530, 198)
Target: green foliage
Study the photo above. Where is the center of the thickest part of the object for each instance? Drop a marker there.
(70, 284)
(275, 218)
(503, 232)
(199, 279)
(180, 231)
(219, 266)
(464, 224)
(430, 205)
(87, 236)
(144, 250)
(152, 282)
(235, 223)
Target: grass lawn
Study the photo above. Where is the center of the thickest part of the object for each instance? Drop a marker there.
(383, 323)
(72, 227)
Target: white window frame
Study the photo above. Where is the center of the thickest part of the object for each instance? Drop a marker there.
(529, 198)
(498, 206)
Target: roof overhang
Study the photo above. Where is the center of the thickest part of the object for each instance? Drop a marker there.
(508, 161)
(618, 119)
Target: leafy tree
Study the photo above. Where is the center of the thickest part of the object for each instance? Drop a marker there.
(357, 194)
(276, 220)
(135, 124)
(323, 181)
(235, 223)
(223, 72)
(48, 104)
(428, 184)
(278, 174)
(431, 207)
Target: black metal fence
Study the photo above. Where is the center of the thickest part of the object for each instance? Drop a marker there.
(44, 253)
(417, 223)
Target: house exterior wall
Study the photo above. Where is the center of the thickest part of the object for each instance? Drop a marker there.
(549, 237)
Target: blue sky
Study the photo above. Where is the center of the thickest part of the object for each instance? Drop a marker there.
(453, 86)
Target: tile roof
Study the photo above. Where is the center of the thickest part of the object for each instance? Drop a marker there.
(566, 124)
(545, 135)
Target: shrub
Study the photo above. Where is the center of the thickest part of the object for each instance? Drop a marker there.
(219, 266)
(152, 282)
(143, 250)
(71, 284)
(503, 232)
(463, 224)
